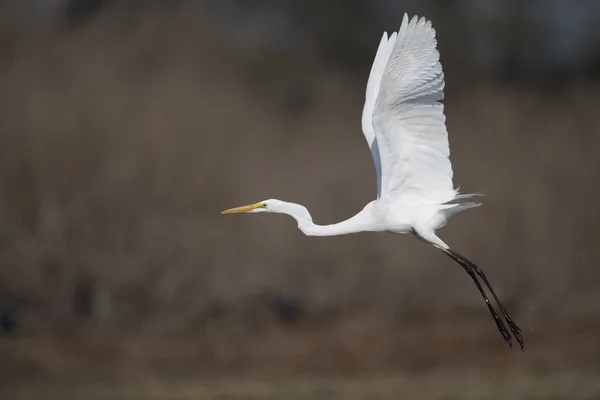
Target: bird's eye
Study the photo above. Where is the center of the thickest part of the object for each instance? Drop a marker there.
(265, 205)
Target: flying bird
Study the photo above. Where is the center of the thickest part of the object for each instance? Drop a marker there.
(403, 122)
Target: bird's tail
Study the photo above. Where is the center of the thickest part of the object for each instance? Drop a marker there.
(458, 205)
(460, 197)
(453, 209)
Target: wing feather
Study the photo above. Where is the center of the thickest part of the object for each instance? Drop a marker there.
(386, 45)
(409, 121)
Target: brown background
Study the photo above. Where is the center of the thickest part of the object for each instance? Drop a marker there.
(125, 128)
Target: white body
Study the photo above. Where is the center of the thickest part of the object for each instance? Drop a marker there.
(377, 216)
(404, 124)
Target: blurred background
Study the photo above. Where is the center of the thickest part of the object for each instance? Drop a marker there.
(126, 127)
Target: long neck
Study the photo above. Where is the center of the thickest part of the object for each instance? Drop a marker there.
(359, 223)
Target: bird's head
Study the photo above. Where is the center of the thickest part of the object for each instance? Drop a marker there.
(270, 205)
(299, 212)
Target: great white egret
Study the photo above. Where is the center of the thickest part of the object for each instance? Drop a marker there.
(404, 124)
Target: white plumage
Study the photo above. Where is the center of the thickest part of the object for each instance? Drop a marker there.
(403, 119)
(405, 127)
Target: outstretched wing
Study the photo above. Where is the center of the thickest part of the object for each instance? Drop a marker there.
(409, 121)
(381, 58)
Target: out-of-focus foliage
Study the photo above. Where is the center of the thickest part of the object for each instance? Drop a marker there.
(125, 129)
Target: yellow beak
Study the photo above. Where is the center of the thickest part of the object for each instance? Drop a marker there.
(243, 209)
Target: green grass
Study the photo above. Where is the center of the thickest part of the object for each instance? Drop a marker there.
(438, 386)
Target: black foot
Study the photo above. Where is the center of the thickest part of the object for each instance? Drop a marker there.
(516, 331)
(503, 331)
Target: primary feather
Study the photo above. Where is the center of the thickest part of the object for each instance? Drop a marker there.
(373, 83)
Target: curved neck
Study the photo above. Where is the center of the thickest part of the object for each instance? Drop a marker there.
(359, 223)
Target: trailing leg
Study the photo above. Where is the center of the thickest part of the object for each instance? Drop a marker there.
(497, 319)
(516, 331)
(431, 238)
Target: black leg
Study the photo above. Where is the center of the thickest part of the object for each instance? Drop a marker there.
(516, 331)
(471, 272)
